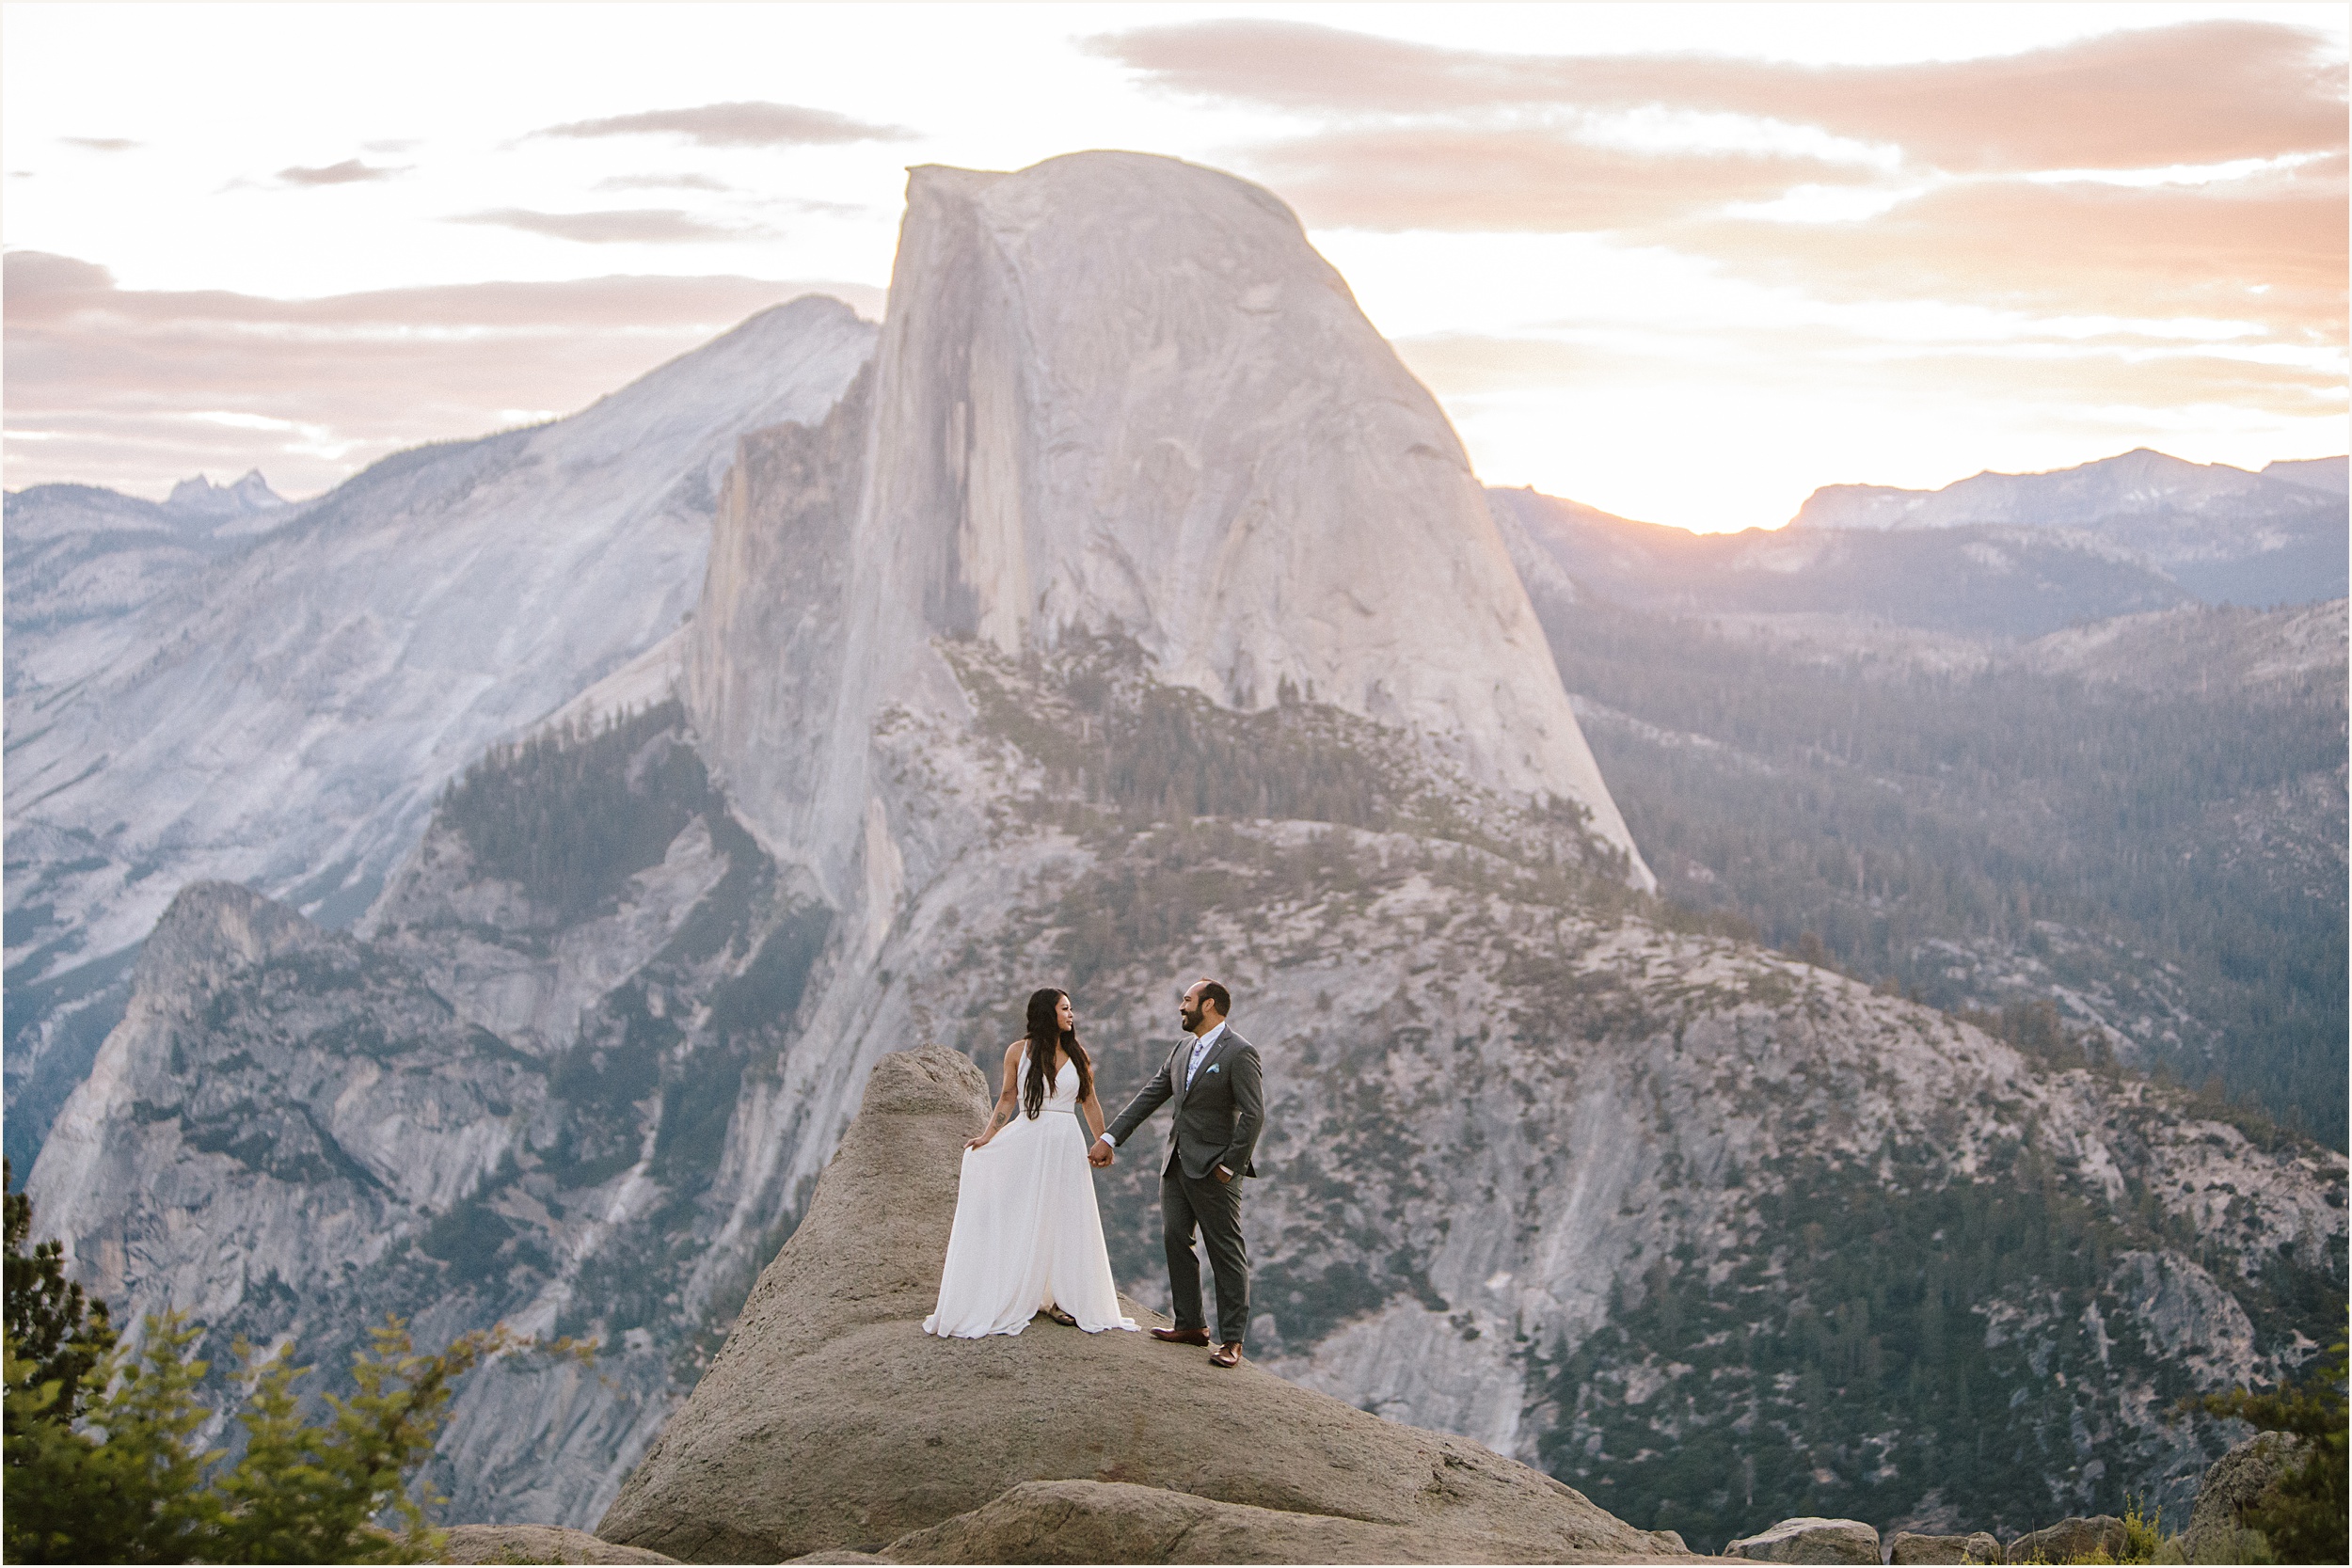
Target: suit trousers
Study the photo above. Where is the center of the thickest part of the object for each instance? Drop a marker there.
(1215, 1207)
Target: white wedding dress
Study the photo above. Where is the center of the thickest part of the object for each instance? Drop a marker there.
(1027, 1233)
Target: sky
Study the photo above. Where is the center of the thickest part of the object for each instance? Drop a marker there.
(1684, 262)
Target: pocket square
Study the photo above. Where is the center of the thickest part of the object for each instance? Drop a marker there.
(1210, 1068)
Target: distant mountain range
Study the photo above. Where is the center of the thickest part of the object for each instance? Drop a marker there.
(2138, 484)
(81, 561)
(2008, 555)
(2225, 536)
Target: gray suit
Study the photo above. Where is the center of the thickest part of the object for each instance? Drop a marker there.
(1217, 1118)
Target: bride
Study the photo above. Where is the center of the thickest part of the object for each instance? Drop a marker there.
(1027, 1235)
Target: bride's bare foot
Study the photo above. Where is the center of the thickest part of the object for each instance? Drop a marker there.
(1061, 1317)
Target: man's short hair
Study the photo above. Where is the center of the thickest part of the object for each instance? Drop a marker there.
(1212, 991)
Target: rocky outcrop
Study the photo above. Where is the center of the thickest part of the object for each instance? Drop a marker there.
(1090, 1521)
(2235, 1484)
(1809, 1540)
(376, 1103)
(2072, 1540)
(1909, 1547)
(536, 1543)
(830, 1420)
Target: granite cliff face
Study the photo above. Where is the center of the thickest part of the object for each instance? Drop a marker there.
(282, 712)
(1118, 392)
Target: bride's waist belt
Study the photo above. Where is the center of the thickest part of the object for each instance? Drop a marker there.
(1064, 1110)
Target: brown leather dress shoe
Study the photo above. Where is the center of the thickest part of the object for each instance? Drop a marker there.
(1225, 1355)
(1180, 1335)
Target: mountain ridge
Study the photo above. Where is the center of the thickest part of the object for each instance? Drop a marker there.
(1102, 383)
(282, 711)
(2142, 480)
(2224, 534)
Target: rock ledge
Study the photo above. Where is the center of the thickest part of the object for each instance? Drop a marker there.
(830, 1423)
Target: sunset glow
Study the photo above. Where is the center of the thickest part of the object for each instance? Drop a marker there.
(1682, 263)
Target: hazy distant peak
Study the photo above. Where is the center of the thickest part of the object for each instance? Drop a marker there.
(200, 497)
(1859, 506)
(2316, 473)
(799, 310)
(2139, 483)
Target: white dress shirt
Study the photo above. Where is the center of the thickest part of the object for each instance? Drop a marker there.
(1200, 1054)
(1192, 1066)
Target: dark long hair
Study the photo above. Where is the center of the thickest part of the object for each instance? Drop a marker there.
(1044, 1030)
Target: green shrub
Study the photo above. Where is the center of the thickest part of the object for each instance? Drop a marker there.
(2302, 1513)
(2142, 1532)
(61, 1335)
(101, 1464)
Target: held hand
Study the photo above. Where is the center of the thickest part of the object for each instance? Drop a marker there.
(1099, 1155)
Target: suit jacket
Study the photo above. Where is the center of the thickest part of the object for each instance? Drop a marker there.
(1216, 1120)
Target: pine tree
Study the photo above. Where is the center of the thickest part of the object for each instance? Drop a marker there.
(2302, 1514)
(59, 1334)
(101, 1463)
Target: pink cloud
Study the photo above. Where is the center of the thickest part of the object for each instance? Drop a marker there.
(2197, 92)
(136, 388)
(2270, 251)
(1515, 179)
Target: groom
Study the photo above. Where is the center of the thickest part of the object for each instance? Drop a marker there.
(1215, 1080)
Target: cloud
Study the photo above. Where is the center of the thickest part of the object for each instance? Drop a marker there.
(100, 144)
(662, 183)
(2195, 92)
(350, 171)
(128, 387)
(738, 125)
(2190, 169)
(638, 226)
(1515, 179)
(2113, 372)
(2270, 251)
